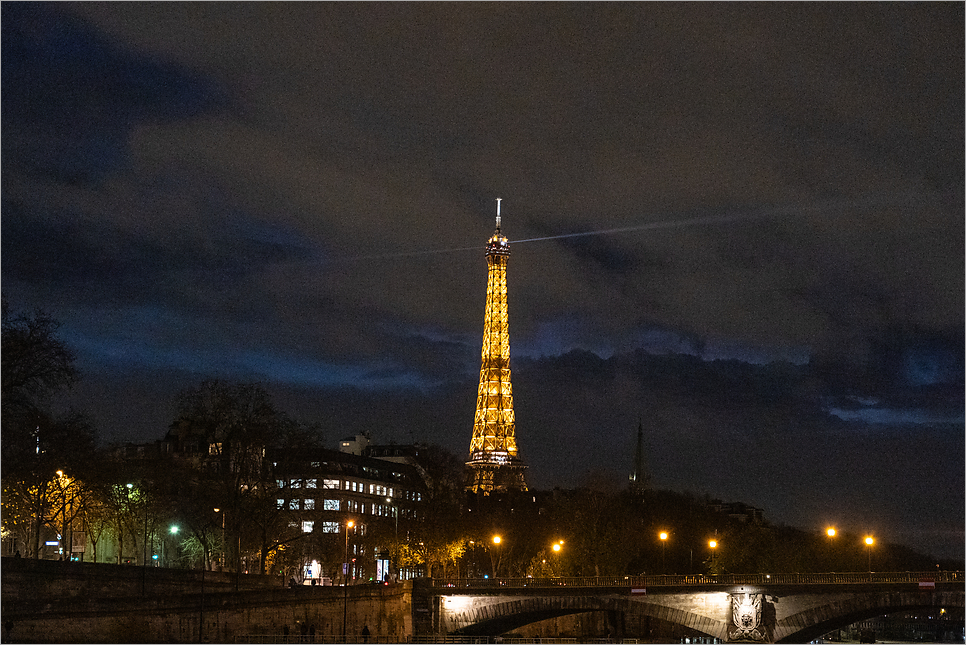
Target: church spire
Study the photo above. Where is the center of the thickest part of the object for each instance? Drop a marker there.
(639, 477)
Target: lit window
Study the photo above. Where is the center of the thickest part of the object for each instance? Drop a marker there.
(308, 504)
(293, 505)
(330, 527)
(308, 526)
(214, 448)
(332, 484)
(330, 505)
(281, 503)
(296, 483)
(310, 483)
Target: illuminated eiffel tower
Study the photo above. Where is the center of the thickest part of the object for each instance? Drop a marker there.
(494, 466)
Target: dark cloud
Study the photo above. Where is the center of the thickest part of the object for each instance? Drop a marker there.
(755, 212)
(78, 95)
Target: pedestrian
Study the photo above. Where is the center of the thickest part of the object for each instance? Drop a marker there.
(16, 553)
(365, 634)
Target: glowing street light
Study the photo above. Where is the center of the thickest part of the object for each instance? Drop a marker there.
(713, 545)
(663, 537)
(497, 540)
(345, 582)
(869, 541)
(830, 532)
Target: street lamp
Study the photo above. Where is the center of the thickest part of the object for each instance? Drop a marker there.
(65, 551)
(493, 560)
(830, 532)
(395, 513)
(869, 541)
(556, 547)
(713, 545)
(173, 531)
(663, 536)
(222, 557)
(345, 581)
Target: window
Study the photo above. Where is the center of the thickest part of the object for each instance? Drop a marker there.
(332, 484)
(330, 527)
(281, 503)
(308, 526)
(316, 464)
(296, 483)
(308, 504)
(330, 505)
(280, 483)
(310, 483)
(214, 448)
(293, 505)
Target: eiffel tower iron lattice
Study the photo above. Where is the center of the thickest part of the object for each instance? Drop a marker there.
(494, 465)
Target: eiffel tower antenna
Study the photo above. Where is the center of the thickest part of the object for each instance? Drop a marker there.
(494, 465)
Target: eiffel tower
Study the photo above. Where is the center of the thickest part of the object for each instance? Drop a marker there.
(494, 465)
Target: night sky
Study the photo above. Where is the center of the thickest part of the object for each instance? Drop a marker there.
(740, 225)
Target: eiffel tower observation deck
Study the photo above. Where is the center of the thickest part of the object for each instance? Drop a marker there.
(494, 465)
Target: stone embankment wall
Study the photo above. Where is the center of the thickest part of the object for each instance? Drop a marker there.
(27, 579)
(189, 616)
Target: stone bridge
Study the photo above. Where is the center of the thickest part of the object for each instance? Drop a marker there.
(782, 608)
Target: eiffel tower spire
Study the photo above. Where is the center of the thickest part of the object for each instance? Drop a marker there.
(494, 465)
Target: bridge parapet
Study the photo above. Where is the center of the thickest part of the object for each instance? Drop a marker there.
(761, 608)
(451, 585)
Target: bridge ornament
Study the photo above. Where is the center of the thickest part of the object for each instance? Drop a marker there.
(746, 617)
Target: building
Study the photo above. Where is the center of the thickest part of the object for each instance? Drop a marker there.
(738, 511)
(322, 491)
(494, 464)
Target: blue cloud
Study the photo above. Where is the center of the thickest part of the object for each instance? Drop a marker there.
(889, 416)
(81, 94)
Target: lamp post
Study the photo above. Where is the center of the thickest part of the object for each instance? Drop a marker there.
(556, 547)
(221, 559)
(830, 532)
(395, 514)
(869, 541)
(173, 531)
(713, 545)
(493, 558)
(663, 537)
(345, 581)
(63, 515)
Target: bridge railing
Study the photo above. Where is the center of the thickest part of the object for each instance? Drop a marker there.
(759, 579)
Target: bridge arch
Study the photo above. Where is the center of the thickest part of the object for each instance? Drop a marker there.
(790, 607)
(501, 614)
(807, 625)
